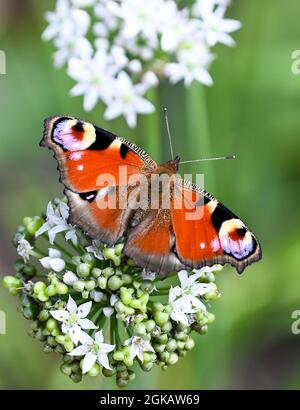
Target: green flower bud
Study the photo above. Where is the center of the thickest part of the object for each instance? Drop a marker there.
(213, 294)
(66, 369)
(42, 296)
(47, 349)
(62, 288)
(43, 315)
(168, 309)
(210, 318)
(31, 312)
(116, 260)
(158, 307)
(95, 370)
(180, 345)
(159, 348)
(127, 279)
(128, 361)
(59, 349)
(150, 325)
(76, 260)
(107, 272)
(126, 295)
(189, 344)
(69, 346)
(147, 286)
(139, 329)
(33, 224)
(131, 375)
(79, 285)
(122, 382)
(160, 318)
(167, 327)
(51, 341)
(76, 378)
(109, 253)
(210, 277)
(120, 307)
(119, 248)
(108, 372)
(29, 271)
(164, 356)
(39, 287)
(172, 359)
(83, 270)
(171, 346)
(50, 290)
(96, 272)
(118, 355)
(60, 339)
(114, 282)
(85, 294)
(51, 324)
(89, 259)
(11, 282)
(146, 366)
(182, 353)
(181, 336)
(102, 282)
(90, 285)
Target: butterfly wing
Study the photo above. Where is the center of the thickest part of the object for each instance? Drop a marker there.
(94, 164)
(150, 243)
(85, 153)
(206, 232)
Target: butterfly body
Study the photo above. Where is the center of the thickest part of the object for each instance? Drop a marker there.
(116, 190)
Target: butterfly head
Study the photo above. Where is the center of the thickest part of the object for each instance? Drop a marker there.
(172, 165)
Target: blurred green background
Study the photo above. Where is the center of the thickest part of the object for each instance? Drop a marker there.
(253, 111)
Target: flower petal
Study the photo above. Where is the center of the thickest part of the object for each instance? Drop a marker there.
(84, 309)
(88, 362)
(87, 324)
(60, 315)
(71, 305)
(80, 351)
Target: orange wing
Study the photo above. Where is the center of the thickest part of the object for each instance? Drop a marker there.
(93, 165)
(86, 154)
(206, 232)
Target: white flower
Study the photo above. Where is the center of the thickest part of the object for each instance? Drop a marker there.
(108, 311)
(66, 22)
(53, 261)
(73, 319)
(97, 295)
(93, 350)
(74, 47)
(215, 27)
(56, 222)
(69, 278)
(94, 78)
(139, 17)
(24, 248)
(184, 299)
(189, 289)
(95, 249)
(193, 60)
(182, 311)
(148, 275)
(114, 299)
(206, 269)
(103, 41)
(138, 347)
(127, 101)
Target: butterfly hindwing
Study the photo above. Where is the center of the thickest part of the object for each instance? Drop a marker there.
(207, 232)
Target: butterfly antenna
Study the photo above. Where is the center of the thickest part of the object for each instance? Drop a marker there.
(168, 131)
(208, 159)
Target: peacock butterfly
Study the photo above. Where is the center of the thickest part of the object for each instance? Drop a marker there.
(101, 172)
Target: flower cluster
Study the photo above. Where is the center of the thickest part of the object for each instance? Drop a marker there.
(116, 50)
(97, 309)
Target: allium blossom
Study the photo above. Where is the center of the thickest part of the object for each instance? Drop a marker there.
(53, 261)
(56, 223)
(24, 248)
(138, 345)
(93, 350)
(185, 299)
(113, 48)
(73, 319)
